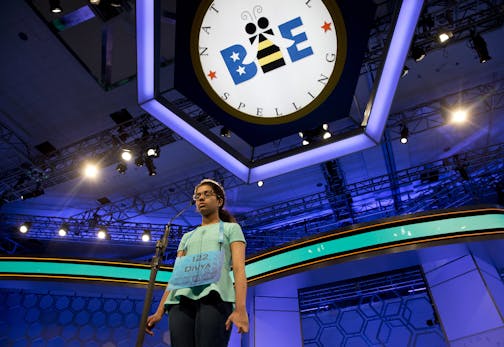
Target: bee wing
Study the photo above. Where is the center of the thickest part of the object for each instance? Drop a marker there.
(279, 41)
(251, 52)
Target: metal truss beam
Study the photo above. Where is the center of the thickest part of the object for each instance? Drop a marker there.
(104, 147)
(459, 16)
(169, 195)
(440, 184)
(483, 100)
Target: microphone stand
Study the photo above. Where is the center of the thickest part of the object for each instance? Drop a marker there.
(160, 249)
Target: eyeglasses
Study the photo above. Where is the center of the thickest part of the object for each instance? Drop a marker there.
(206, 194)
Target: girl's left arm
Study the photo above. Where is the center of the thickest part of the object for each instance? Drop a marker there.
(239, 317)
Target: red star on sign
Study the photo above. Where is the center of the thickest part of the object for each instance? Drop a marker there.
(212, 74)
(326, 26)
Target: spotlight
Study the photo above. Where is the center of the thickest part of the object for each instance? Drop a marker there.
(90, 170)
(103, 234)
(417, 53)
(260, 183)
(32, 194)
(225, 132)
(314, 135)
(121, 168)
(63, 230)
(126, 155)
(153, 152)
(326, 133)
(459, 116)
(480, 46)
(115, 3)
(55, 6)
(404, 134)
(25, 227)
(146, 236)
(444, 36)
(94, 2)
(150, 166)
(405, 71)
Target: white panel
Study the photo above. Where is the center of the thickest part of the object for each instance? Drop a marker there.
(464, 306)
(277, 329)
(450, 270)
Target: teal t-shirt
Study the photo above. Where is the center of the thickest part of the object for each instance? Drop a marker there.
(204, 239)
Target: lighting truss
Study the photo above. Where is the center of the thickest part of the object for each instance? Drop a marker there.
(273, 225)
(481, 16)
(169, 195)
(65, 164)
(428, 115)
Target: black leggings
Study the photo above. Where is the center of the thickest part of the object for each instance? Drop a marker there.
(200, 323)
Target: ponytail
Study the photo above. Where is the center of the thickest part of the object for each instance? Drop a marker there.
(225, 216)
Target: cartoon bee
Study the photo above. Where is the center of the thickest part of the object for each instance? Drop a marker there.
(265, 43)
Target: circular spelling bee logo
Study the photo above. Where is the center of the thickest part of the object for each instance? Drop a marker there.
(269, 61)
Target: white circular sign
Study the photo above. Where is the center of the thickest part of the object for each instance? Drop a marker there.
(268, 62)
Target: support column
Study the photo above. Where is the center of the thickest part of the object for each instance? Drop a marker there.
(467, 293)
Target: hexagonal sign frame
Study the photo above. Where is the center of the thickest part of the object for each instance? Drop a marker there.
(369, 135)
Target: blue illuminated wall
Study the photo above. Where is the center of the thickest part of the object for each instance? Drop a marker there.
(376, 321)
(73, 315)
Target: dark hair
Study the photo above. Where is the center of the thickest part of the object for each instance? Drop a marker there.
(224, 214)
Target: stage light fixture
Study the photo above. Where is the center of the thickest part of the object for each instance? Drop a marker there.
(94, 2)
(63, 230)
(326, 133)
(315, 135)
(55, 6)
(459, 116)
(25, 227)
(139, 161)
(153, 152)
(121, 168)
(404, 134)
(90, 170)
(444, 36)
(150, 166)
(32, 194)
(146, 236)
(405, 71)
(126, 155)
(260, 183)
(480, 46)
(418, 53)
(103, 234)
(225, 132)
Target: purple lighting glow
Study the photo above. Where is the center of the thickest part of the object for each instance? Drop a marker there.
(376, 115)
(392, 69)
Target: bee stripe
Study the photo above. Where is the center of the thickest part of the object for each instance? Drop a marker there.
(267, 51)
(264, 44)
(270, 58)
(273, 65)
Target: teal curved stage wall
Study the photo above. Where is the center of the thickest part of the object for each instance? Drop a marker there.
(391, 235)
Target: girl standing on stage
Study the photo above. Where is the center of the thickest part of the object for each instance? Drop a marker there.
(200, 299)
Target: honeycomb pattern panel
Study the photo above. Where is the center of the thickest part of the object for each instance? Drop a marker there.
(375, 321)
(32, 318)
